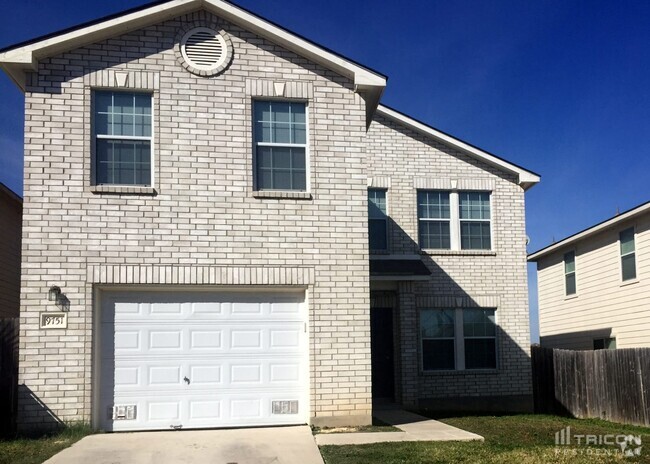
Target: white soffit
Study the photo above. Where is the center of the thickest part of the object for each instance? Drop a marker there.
(17, 60)
(526, 178)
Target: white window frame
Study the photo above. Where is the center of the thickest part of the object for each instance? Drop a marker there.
(575, 273)
(151, 139)
(385, 190)
(621, 256)
(450, 219)
(459, 341)
(288, 145)
(455, 220)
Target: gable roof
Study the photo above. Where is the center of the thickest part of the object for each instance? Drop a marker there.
(526, 178)
(18, 59)
(601, 226)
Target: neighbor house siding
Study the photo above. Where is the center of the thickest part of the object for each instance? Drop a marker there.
(10, 232)
(204, 221)
(604, 306)
(406, 161)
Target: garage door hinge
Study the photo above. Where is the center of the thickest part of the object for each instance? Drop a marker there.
(305, 327)
(176, 427)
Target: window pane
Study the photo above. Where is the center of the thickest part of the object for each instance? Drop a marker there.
(435, 323)
(433, 205)
(438, 355)
(281, 133)
(435, 235)
(281, 168)
(479, 322)
(299, 134)
(123, 162)
(569, 262)
(475, 235)
(570, 283)
(480, 353)
(123, 102)
(122, 114)
(474, 205)
(299, 179)
(263, 132)
(376, 203)
(627, 241)
(628, 265)
(103, 102)
(280, 111)
(142, 104)
(377, 234)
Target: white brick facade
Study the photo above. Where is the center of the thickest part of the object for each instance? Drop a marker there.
(202, 222)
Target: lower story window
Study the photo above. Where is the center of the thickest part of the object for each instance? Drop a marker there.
(458, 339)
(604, 344)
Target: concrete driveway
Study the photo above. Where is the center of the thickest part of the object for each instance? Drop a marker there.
(272, 445)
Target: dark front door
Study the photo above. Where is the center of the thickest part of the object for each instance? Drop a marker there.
(381, 344)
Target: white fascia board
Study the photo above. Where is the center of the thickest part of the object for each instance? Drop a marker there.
(27, 57)
(525, 178)
(591, 231)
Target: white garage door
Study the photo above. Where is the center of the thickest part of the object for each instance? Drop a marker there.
(195, 360)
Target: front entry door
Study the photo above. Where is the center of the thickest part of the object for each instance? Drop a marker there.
(381, 344)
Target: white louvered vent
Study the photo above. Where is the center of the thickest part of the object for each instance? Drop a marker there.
(204, 48)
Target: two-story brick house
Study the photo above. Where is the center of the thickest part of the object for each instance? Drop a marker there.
(201, 188)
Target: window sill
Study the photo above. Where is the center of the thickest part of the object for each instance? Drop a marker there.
(123, 189)
(571, 297)
(282, 194)
(629, 282)
(461, 372)
(430, 252)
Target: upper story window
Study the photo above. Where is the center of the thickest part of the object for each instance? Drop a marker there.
(458, 339)
(450, 220)
(570, 273)
(475, 221)
(628, 254)
(122, 137)
(434, 219)
(377, 220)
(280, 137)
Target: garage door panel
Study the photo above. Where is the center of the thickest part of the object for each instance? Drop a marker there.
(204, 360)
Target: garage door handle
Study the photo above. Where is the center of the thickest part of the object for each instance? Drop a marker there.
(186, 380)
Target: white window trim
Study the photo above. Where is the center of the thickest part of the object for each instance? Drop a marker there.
(306, 145)
(621, 256)
(387, 214)
(94, 136)
(568, 296)
(459, 343)
(455, 221)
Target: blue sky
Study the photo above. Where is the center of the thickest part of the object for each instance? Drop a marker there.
(560, 87)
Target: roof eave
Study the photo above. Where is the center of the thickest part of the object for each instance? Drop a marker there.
(24, 58)
(526, 179)
(600, 227)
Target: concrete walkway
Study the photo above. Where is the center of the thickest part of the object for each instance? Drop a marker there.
(270, 445)
(413, 428)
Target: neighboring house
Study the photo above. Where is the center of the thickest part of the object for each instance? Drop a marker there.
(11, 217)
(199, 185)
(593, 286)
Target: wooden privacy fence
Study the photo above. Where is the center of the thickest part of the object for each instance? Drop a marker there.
(606, 384)
(8, 375)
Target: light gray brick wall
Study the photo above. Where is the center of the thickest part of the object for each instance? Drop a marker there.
(200, 218)
(402, 161)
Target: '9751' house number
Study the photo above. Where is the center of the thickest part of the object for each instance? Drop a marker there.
(54, 321)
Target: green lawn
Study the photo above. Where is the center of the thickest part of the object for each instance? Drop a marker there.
(516, 439)
(37, 450)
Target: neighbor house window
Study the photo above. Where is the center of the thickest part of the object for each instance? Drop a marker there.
(377, 219)
(604, 344)
(280, 136)
(453, 220)
(475, 221)
(628, 254)
(434, 219)
(570, 273)
(122, 130)
(458, 339)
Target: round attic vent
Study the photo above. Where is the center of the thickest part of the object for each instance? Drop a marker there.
(205, 51)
